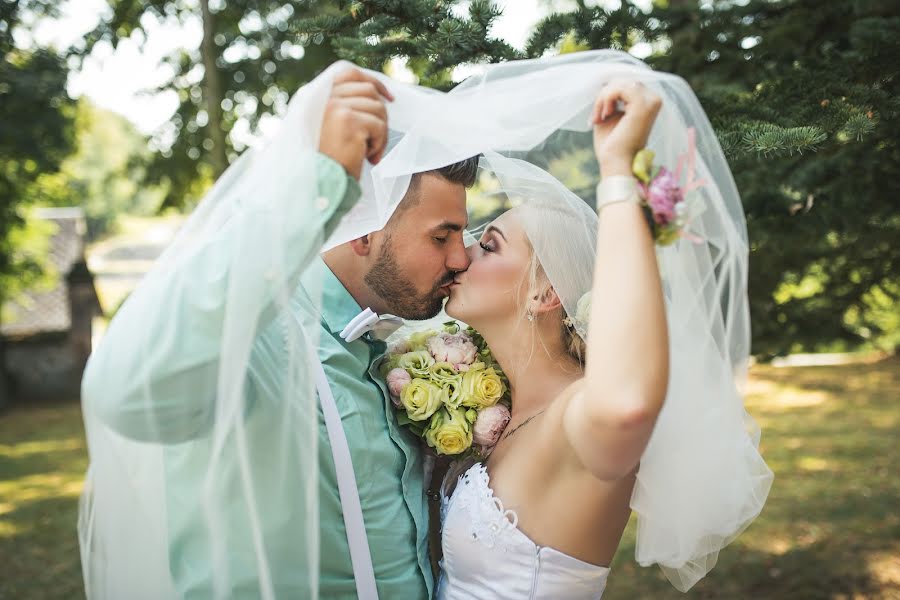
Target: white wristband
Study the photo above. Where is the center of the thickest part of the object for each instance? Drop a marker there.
(617, 188)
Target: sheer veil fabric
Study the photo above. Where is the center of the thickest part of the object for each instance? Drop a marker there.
(701, 480)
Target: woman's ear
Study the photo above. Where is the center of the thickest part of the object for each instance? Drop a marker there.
(546, 301)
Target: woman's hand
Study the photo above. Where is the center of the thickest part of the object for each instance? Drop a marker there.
(618, 136)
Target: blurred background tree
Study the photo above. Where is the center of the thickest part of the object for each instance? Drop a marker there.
(250, 60)
(803, 96)
(35, 137)
(106, 174)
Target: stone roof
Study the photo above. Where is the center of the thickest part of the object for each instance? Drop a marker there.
(47, 310)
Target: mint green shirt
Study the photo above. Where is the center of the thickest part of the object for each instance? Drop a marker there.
(181, 370)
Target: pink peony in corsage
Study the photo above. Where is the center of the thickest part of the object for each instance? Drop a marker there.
(663, 193)
(665, 197)
(489, 426)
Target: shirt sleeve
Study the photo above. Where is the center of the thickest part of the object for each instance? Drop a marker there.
(153, 376)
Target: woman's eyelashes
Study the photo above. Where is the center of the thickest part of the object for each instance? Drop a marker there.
(487, 246)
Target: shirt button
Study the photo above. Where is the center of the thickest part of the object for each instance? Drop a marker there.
(321, 202)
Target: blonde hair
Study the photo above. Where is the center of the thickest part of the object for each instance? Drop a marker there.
(538, 282)
(556, 231)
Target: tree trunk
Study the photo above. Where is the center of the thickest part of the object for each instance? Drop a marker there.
(5, 393)
(213, 90)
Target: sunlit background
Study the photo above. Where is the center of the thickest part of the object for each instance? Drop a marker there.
(117, 115)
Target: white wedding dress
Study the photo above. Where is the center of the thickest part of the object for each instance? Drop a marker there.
(486, 556)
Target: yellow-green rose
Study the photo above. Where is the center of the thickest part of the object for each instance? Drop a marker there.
(442, 372)
(642, 165)
(449, 432)
(421, 399)
(453, 392)
(482, 388)
(417, 363)
(446, 377)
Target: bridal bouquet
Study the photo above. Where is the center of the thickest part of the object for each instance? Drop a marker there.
(448, 390)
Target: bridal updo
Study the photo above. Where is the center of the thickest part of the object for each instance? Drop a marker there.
(562, 258)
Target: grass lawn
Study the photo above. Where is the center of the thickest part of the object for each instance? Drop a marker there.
(42, 463)
(831, 528)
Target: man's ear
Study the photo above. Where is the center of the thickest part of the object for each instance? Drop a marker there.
(361, 246)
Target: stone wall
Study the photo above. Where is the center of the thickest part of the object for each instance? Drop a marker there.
(43, 367)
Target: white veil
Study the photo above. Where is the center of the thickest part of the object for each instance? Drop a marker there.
(156, 461)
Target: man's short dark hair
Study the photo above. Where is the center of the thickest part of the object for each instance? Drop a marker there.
(464, 172)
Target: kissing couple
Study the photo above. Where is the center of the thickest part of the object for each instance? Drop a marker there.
(244, 443)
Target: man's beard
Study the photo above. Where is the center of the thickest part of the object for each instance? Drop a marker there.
(386, 279)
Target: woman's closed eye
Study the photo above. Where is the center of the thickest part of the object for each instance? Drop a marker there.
(488, 246)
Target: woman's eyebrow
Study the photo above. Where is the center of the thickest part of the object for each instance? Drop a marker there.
(493, 228)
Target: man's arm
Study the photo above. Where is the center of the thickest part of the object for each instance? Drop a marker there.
(154, 376)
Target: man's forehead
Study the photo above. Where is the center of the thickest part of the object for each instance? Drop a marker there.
(442, 204)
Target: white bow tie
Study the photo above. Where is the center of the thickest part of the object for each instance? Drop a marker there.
(369, 321)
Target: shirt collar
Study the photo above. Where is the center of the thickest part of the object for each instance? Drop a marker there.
(338, 306)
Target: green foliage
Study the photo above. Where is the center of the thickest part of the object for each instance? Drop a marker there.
(28, 245)
(803, 97)
(261, 57)
(103, 176)
(35, 136)
(432, 34)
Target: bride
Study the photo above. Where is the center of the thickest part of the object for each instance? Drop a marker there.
(543, 516)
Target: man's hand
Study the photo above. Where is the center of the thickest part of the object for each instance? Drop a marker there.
(355, 123)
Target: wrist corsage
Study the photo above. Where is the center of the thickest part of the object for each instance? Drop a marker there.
(670, 210)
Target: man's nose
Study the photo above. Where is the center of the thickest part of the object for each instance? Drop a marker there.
(458, 259)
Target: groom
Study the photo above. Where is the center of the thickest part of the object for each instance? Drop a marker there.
(403, 269)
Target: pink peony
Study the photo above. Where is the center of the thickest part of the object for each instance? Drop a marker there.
(397, 379)
(489, 425)
(663, 194)
(456, 349)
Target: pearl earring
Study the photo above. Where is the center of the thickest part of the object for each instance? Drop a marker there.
(529, 316)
